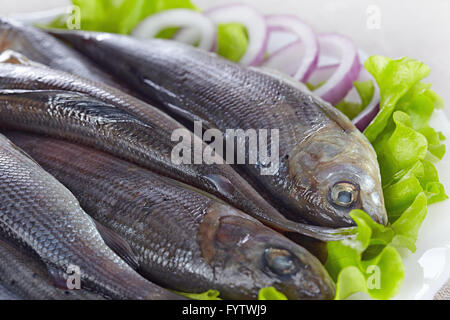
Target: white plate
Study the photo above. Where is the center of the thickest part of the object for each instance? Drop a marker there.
(428, 268)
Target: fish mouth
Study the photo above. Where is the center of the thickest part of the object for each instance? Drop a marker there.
(378, 215)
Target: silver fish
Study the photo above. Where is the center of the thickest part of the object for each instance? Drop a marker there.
(39, 47)
(327, 166)
(40, 214)
(26, 277)
(81, 118)
(179, 237)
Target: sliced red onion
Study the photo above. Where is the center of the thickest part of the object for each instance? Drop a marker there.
(253, 22)
(279, 39)
(322, 73)
(309, 58)
(190, 36)
(286, 59)
(362, 120)
(152, 25)
(341, 81)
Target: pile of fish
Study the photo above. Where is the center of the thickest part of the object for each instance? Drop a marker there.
(88, 188)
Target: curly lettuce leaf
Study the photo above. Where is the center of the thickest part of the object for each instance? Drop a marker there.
(400, 148)
(404, 143)
(120, 16)
(270, 293)
(208, 295)
(406, 227)
(365, 91)
(394, 77)
(405, 140)
(400, 195)
(232, 41)
(350, 280)
(384, 273)
(419, 103)
(380, 275)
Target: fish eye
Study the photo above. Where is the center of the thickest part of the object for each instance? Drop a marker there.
(280, 261)
(344, 194)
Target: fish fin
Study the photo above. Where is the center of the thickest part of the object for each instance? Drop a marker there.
(315, 232)
(118, 245)
(221, 183)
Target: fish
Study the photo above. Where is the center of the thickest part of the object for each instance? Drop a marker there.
(25, 277)
(38, 46)
(327, 166)
(38, 213)
(181, 238)
(87, 120)
(5, 294)
(33, 77)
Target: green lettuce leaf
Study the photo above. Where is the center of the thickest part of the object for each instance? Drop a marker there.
(407, 225)
(395, 78)
(365, 90)
(350, 280)
(208, 295)
(400, 148)
(120, 16)
(404, 142)
(380, 273)
(232, 41)
(384, 273)
(401, 194)
(270, 293)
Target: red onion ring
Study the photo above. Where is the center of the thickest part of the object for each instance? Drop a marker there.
(341, 81)
(322, 73)
(286, 59)
(306, 36)
(254, 23)
(362, 120)
(149, 27)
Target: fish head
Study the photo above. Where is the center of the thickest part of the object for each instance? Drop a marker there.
(247, 256)
(335, 171)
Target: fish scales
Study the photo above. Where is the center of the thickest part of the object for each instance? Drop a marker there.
(39, 47)
(26, 277)
(87, 120)
(321, 151)
(184, 239)
(40, 214)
